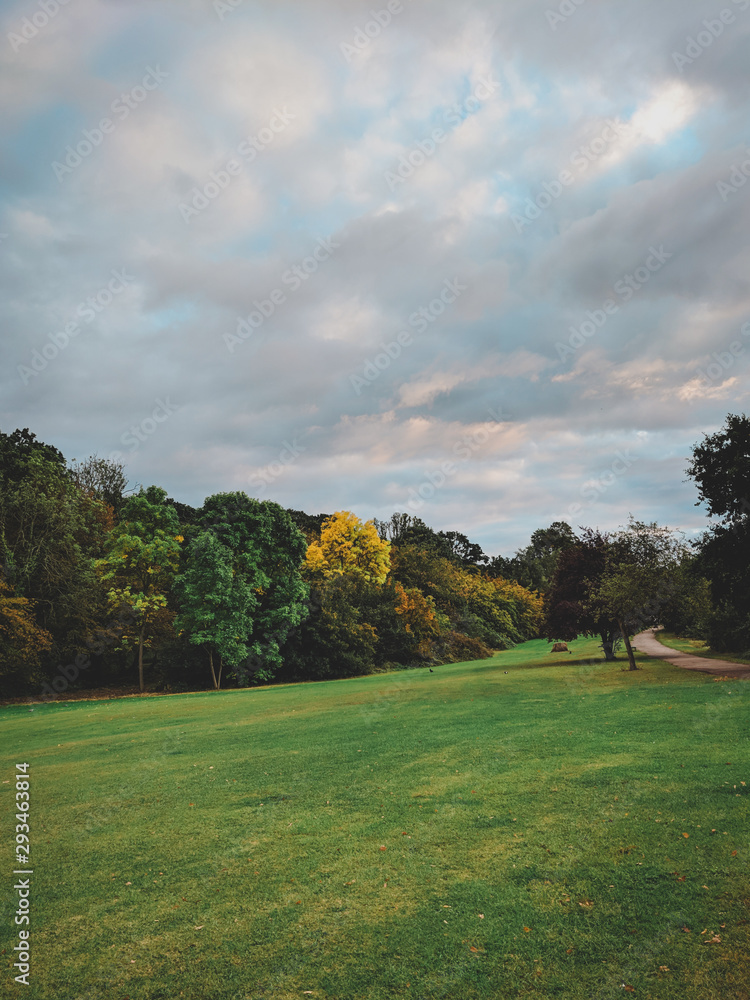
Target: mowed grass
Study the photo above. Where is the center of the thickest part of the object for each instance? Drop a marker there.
(567, 829)
(697, 647)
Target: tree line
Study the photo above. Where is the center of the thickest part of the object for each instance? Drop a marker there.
(102, 586)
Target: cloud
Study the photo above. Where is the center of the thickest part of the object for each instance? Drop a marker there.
(320, 173)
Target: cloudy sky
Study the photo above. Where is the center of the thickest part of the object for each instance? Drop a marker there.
(483, 262)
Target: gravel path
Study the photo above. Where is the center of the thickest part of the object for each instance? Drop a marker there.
(647, 643)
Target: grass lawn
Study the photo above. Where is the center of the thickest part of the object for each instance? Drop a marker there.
(567, 829)
(695, 646)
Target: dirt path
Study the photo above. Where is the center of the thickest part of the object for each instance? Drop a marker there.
(647, 643)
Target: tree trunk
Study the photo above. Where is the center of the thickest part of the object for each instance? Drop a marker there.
(626, 638)
(608, 647)
(221, 667)
(140, 656)
(213, 673)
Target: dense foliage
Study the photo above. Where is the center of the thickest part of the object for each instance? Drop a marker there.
(102, 586)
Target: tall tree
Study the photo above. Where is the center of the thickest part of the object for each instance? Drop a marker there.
(268, 551)
(141, 560)
(720, 467)
(50, 535)
(216, 604)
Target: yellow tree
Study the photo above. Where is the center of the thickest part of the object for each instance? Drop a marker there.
(347, 547)
(419, 617)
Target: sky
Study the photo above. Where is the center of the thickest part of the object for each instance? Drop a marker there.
(485, 263)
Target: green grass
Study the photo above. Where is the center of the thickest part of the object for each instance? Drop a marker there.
(697, 647)
(230, 845)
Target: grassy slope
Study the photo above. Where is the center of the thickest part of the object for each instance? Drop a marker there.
(230, 845)
(697, 647)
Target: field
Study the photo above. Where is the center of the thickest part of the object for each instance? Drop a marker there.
(566, 829)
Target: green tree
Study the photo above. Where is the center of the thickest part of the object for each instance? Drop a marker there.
(216, 604)
(642, 562)
(721, 469)
(50, 535)
(534, 566)
(141, 560)
(570, 612)
(267, 552)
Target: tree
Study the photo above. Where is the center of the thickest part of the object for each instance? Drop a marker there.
(50, 535)
(640, 571)
(216, 604)
(570, 611)
(17, 449)
(101, 478)
(142, 558)
(721, 468)
(267, 553)
(349, 547)
(419, 618)
(22, 641)
(534, 566)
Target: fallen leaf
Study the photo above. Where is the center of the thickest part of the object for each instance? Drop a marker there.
(663, 968)
(734, 854)
(473, 949)
(686, 835)
(199, 927)
(629, 989)
(527, 929)
(481, 916)
(382, 848)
